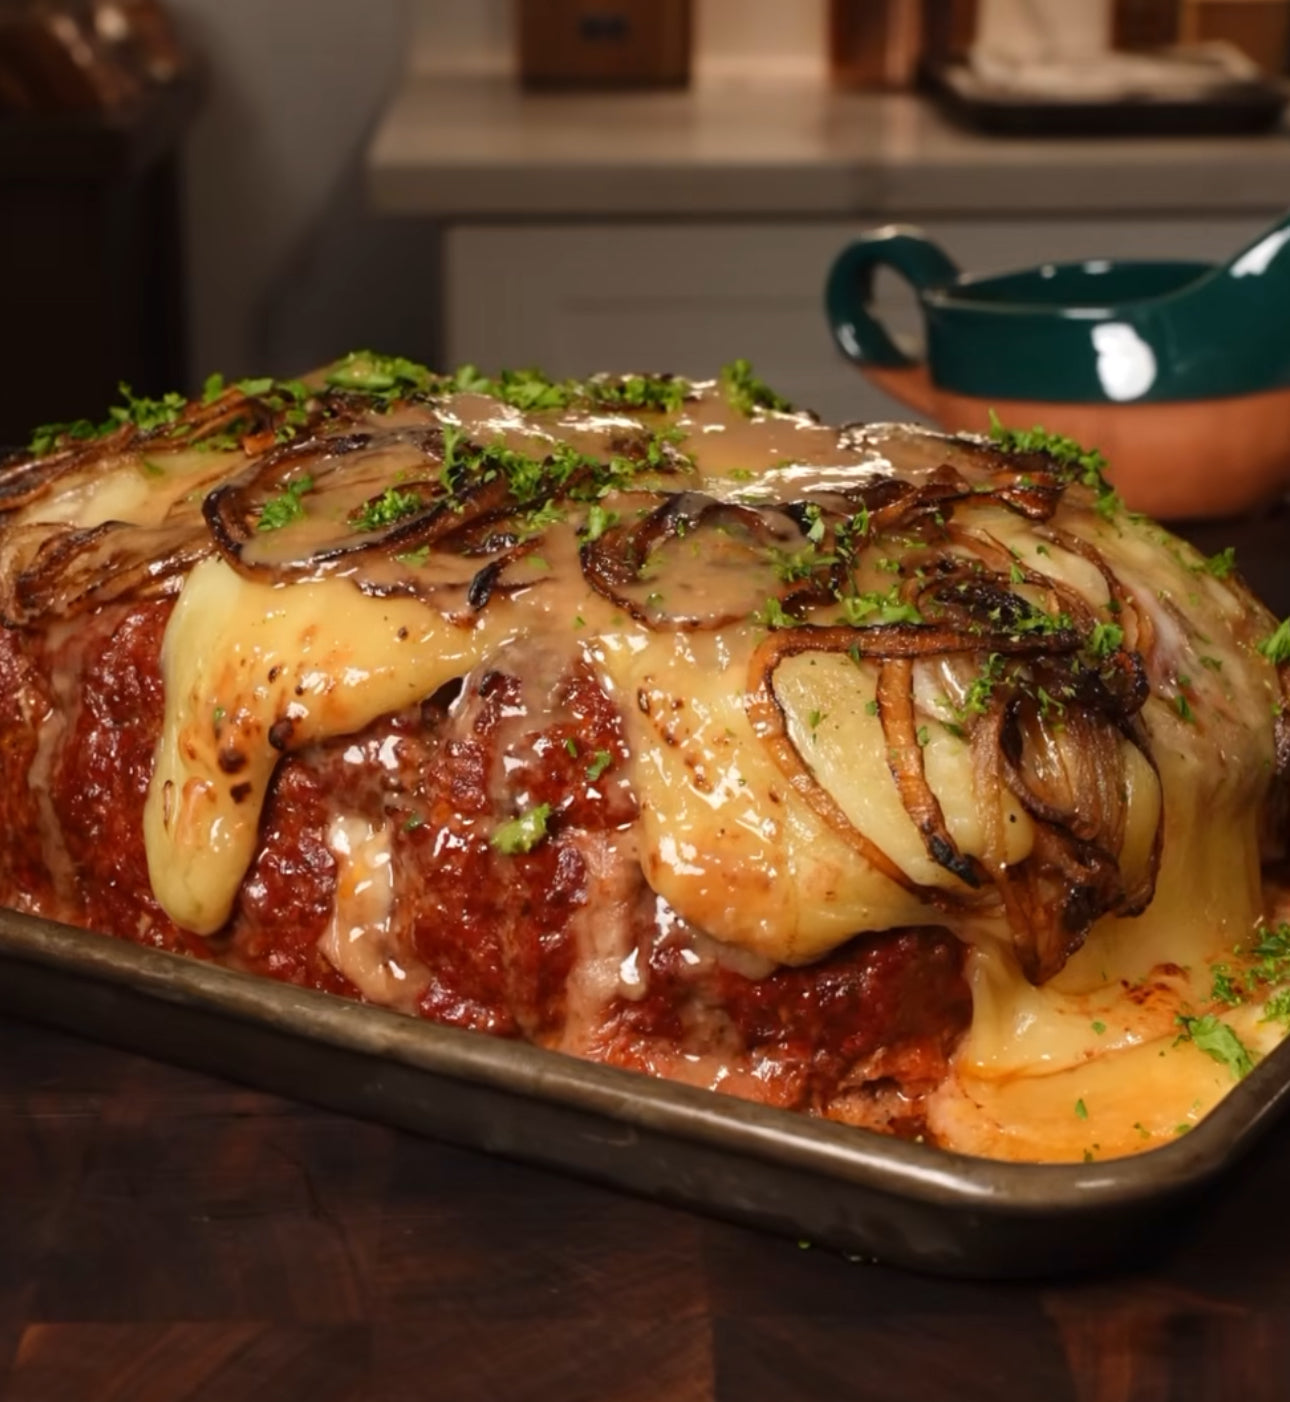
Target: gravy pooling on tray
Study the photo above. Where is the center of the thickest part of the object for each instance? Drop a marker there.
(903, 779)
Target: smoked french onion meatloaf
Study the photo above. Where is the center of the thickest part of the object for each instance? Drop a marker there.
(902, 779)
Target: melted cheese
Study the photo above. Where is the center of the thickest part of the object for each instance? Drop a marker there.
(239, 658)
(357, 942)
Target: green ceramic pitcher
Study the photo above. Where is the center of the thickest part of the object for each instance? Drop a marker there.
(1154, 361)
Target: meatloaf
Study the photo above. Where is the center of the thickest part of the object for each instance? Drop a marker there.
(858, 772)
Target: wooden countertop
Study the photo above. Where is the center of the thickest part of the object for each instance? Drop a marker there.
(480, 147)
(166, 1237)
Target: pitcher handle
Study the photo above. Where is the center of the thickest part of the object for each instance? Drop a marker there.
(848, 294)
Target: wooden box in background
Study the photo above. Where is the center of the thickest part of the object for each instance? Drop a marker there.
(604, 43)
(949, 26)
(1260, 28)
(1145, 24)
(875, 43)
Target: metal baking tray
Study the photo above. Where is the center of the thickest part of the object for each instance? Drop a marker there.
(859, 1192)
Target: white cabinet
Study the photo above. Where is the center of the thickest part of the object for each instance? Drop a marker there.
(576, 298)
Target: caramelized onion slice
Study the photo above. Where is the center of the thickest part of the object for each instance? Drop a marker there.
(695, 562)
(69, 571)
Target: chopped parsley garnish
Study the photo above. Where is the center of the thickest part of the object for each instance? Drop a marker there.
(1225, 989)
(1183, 707)
(144, 413)
(792, 565)
(286, 507)
(1217, 1040)
(571, 747)
(1276, 646)
(1099, 1026)
(1081, 1109)
(213, 388)
(976, 701)
(774, 615)
(147, 414)
(665, 393)
(522, 834)
(50, 436)
(747, 393)
(1105, 639)
(392, 506)
(869, 610)
(598, 521)
(414, 557)
(1222, 564)
(386, 377)
(599, 763)
(1081, 464)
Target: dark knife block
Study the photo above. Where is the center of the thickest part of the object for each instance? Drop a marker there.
(604, 43)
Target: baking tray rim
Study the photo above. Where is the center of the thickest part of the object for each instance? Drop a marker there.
(862, 1158)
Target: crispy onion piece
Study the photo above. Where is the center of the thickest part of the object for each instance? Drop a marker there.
(614, 564)
(233, 414)
(69, 571)
(233, 509)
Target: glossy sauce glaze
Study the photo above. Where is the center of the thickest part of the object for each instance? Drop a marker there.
(866, 772)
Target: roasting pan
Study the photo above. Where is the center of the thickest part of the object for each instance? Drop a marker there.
(856, 1191)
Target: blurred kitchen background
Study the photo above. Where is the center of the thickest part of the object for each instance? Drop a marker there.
(260, 185)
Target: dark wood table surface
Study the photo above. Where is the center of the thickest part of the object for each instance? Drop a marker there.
(169, 1237)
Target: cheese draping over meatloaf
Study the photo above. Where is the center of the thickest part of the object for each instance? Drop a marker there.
(899, 778)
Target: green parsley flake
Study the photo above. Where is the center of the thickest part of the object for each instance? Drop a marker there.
(286, 507)
(1217, 1040)
(977, 700)
(602, 760)
(598, 521)
(147, 414)
(1276, 646)
(774, 615)
(872, 609)
(1081, 1109)
(664, 393)
(747, 393)
(522, 834)
(1105, 639)
(386, 377)
(1222, 564)
(392, 506)
(1099, 1027)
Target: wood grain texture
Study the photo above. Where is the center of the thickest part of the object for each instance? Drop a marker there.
(166, 1237)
